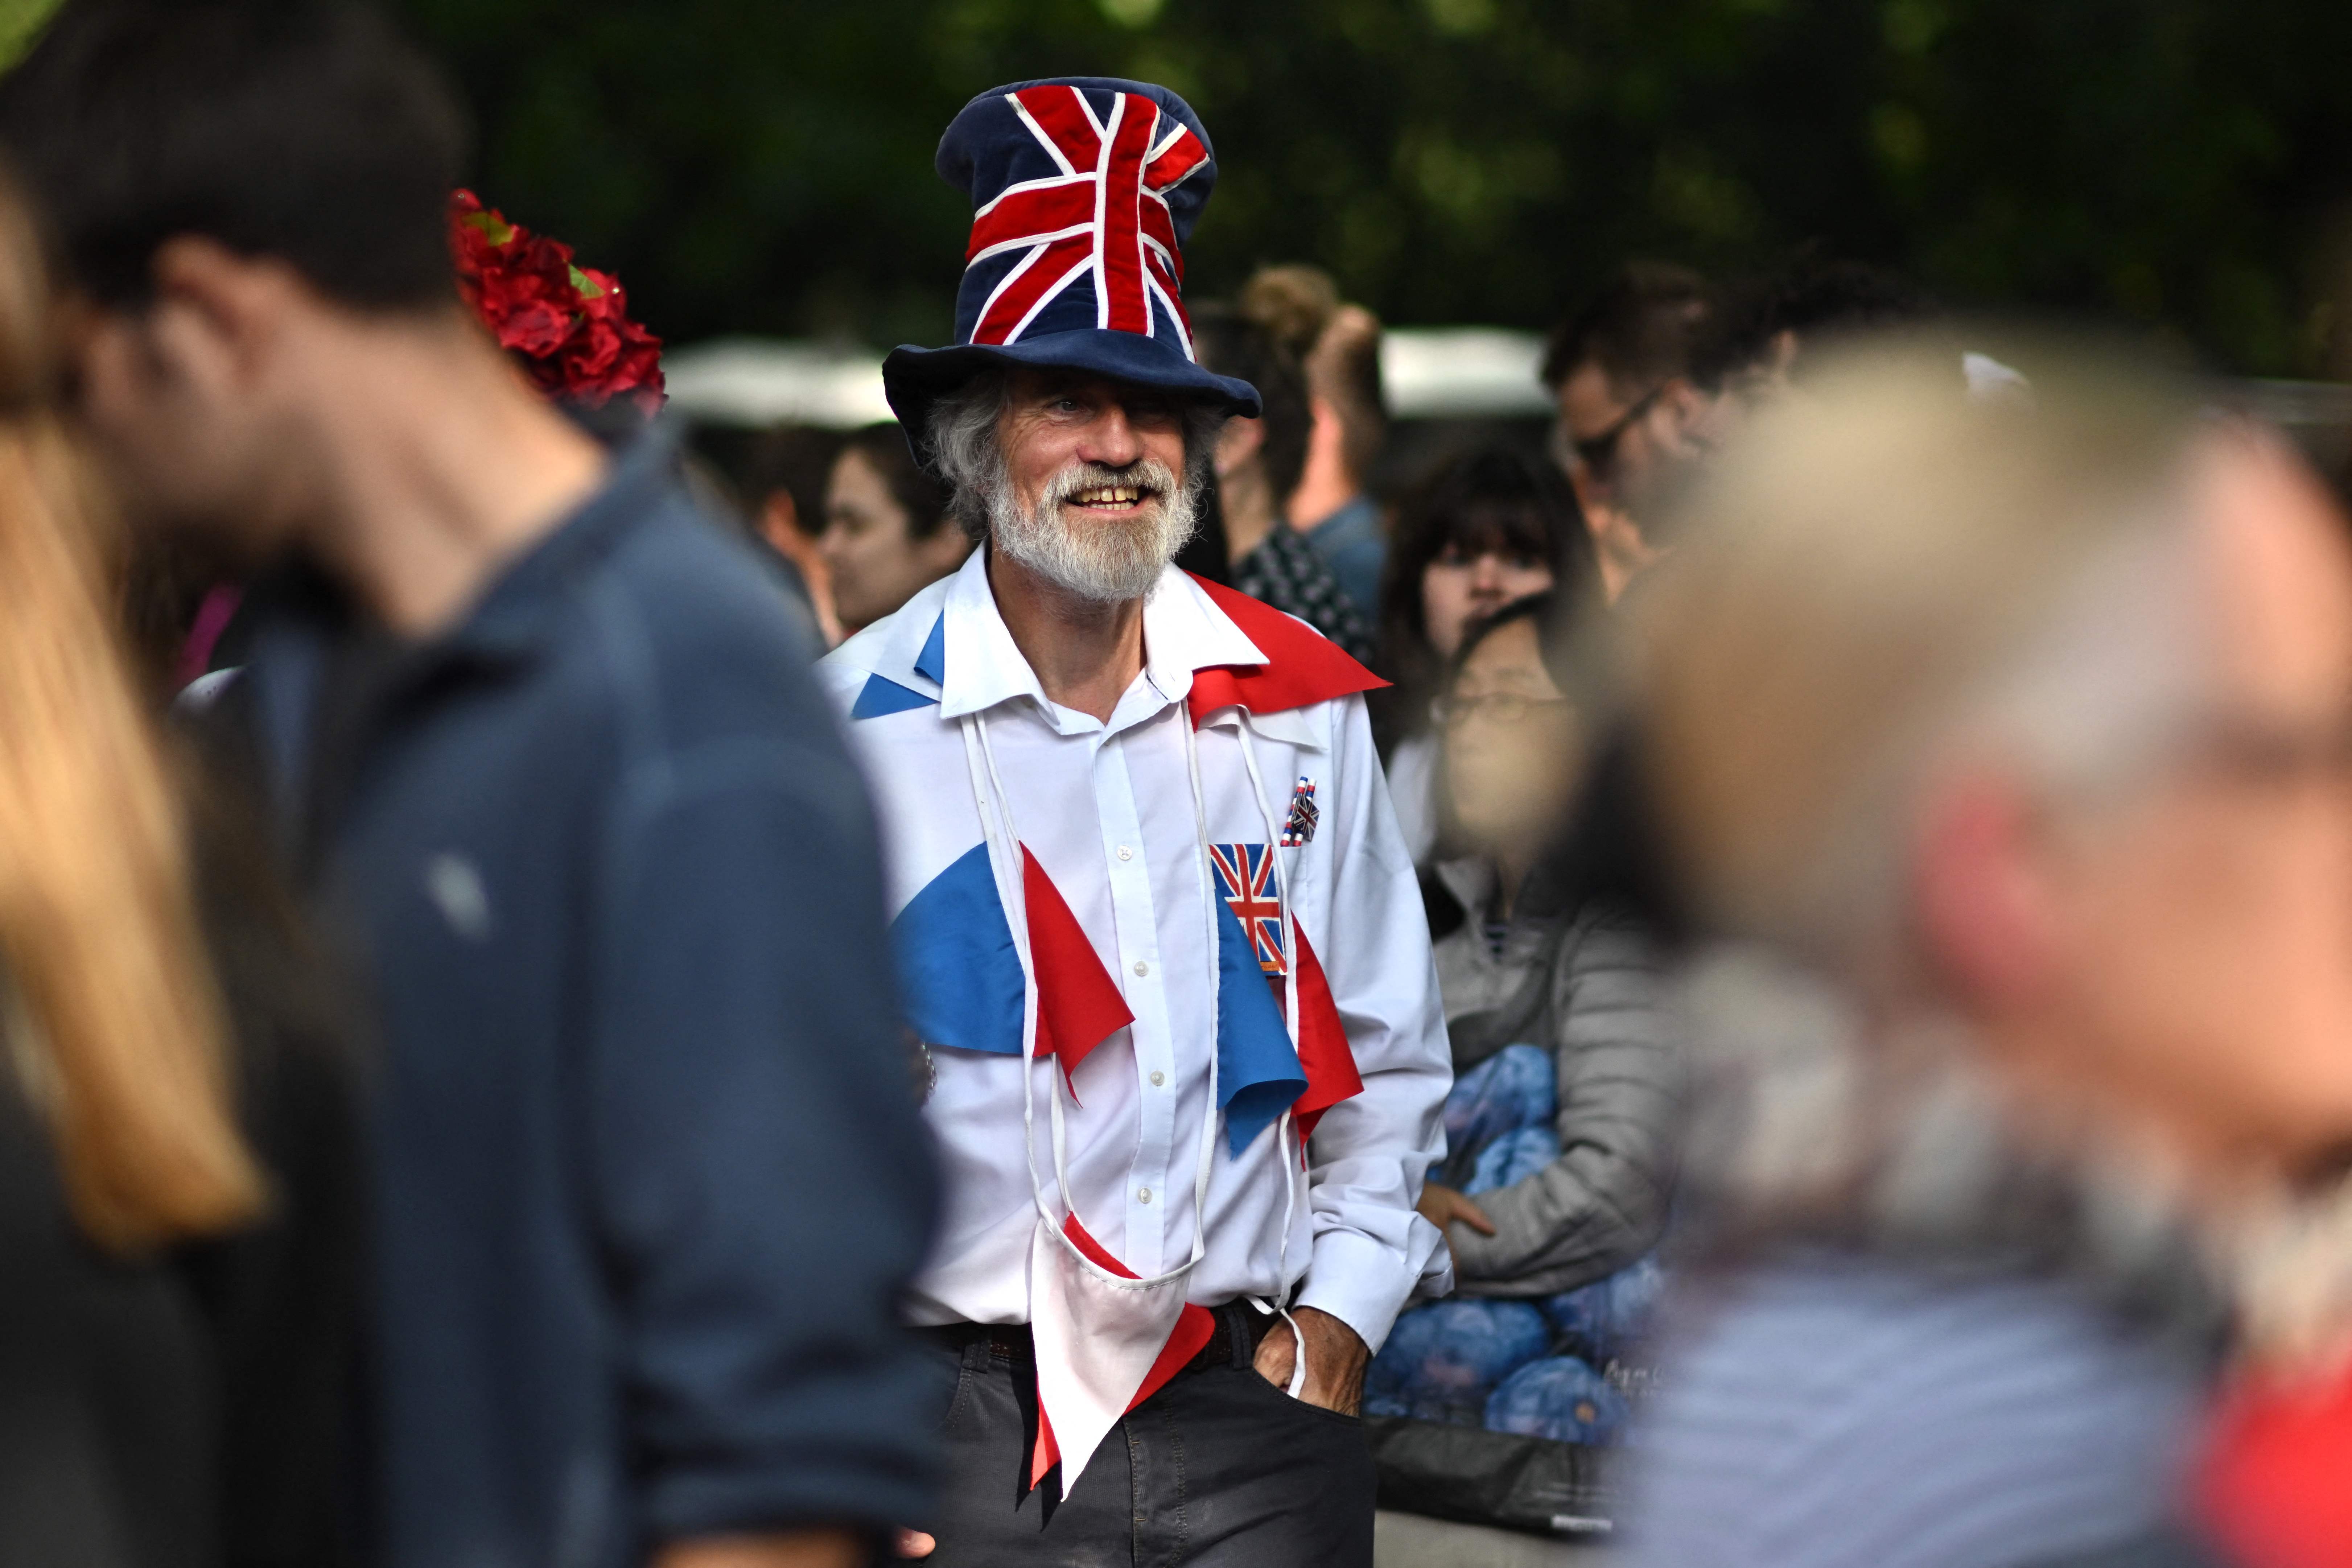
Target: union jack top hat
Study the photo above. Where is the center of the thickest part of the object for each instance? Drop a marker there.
(1084, 189)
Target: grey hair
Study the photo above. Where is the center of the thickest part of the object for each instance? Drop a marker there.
(961, 431)
(1881, 581)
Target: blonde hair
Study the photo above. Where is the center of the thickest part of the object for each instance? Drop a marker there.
(1879, 568)
(114, 1025)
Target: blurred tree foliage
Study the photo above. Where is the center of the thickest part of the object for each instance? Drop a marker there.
(765, 165)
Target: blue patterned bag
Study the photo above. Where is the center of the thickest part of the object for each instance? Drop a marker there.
(1516, 1087)
(1513, 1157)
(1559, 1398)
(1441, 1361)
(1601, 1321)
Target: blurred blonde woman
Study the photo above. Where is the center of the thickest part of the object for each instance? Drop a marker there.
(118, 1145)
(2008, 743)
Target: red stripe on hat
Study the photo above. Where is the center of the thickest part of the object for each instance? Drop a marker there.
(1302, 666)
(1045, 270)
(1195, 1326)
(1079, 1004)
(1324, 1053)
(1157, 226)
(1022, 215)
(1060, 114)
(1178, 161)
(1124, 306)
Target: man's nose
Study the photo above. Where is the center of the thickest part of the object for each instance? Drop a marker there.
(1111, 439)
(1486, 574)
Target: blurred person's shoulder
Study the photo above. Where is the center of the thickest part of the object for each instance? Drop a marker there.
(684, 624)
(1826, 1408)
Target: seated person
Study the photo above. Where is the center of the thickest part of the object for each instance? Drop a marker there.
(1561, 1123)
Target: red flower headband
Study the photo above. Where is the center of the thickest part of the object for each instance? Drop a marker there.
(567, 325)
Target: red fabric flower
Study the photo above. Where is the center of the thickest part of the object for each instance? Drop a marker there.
(566, 324)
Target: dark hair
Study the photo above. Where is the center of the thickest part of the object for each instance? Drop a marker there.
(796, 460)
(920, 496)
(1231, 344)
(304, 130)
(1555, 638)
(1818, 300)
(1496, 498)
(1639, 329)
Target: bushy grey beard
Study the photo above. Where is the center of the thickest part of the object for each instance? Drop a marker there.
(1104, 561)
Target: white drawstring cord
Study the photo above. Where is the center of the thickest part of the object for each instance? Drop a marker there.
(983, 769)
(980, 758)
(1002, 842)
(1288, 1122)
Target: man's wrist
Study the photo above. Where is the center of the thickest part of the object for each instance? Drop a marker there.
(1359, 1282)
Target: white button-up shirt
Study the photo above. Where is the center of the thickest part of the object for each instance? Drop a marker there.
(1107, 809)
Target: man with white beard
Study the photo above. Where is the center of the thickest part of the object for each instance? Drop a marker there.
(1158, 932)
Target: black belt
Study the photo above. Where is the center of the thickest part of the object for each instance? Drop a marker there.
(1011, 1341)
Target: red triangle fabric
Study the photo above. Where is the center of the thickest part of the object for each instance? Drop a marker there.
(1302, 666)
(1323, 1050)
(1079, 1004)
(1195, 1326)
(2272, 1489)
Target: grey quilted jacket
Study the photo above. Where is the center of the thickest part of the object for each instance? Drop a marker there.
(1587, 986)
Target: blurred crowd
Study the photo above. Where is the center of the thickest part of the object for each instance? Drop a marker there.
(1878, 784)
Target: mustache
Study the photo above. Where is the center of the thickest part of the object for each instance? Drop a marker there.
(1153, 480)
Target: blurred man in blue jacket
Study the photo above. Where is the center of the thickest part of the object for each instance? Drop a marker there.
(649, 1173)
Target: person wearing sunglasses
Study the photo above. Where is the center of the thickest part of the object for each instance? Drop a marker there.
(1630, 419)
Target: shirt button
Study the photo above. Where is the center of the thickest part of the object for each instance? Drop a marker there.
(1141, 968)
(1158, 1079)
(1143, 1196)
(1124, 853)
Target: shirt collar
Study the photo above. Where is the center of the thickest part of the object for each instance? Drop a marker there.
(982, 666)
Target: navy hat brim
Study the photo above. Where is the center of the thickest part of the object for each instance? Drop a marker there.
(914, 379)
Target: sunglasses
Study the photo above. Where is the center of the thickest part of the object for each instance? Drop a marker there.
(1599, 453)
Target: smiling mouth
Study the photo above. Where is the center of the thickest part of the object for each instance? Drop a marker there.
(1112, 497)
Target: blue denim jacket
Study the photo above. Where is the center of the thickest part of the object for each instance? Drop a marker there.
(649, 1175)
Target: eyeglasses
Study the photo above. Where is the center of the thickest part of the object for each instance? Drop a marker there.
(2271, 753)
(1599, 453)
(1506, 708)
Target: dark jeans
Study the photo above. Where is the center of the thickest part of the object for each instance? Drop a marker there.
(1218, 1469)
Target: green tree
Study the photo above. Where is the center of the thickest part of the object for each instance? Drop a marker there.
(763, 165)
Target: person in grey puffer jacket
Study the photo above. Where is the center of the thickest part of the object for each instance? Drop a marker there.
(1563, 1120)
(1583, 984)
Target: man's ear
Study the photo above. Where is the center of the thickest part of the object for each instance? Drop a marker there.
(780, 522)
(1980, 896)
(1237, 443)
(1687, 411)
(217, 316)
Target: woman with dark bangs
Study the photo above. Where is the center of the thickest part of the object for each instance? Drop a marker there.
(1561, 1126)
(1489, 527)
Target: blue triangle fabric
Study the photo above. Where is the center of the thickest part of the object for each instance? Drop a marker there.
(879, 695)
(961, 981)
(956, 963)
(933, 662)
(1257, 1071)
